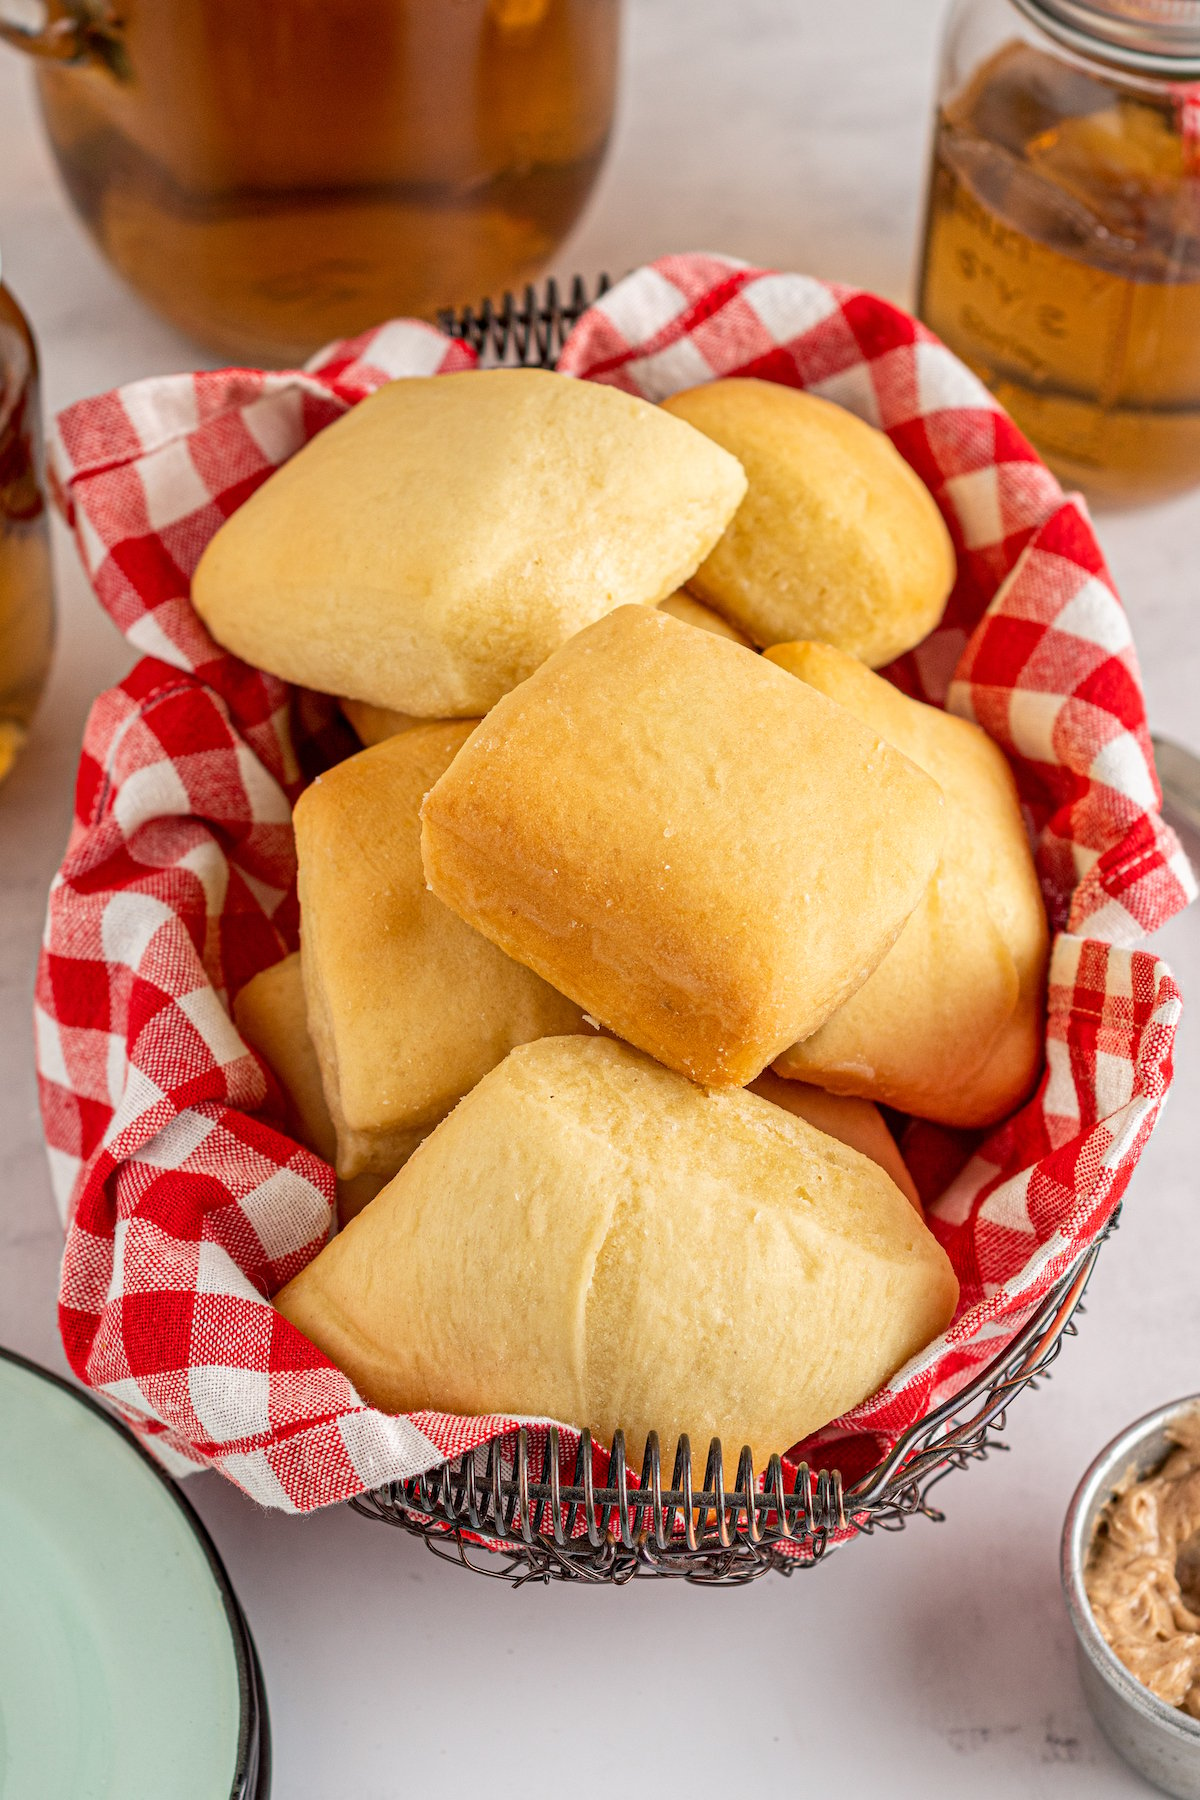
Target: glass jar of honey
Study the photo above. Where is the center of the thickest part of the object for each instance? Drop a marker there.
(1061, 254)
(26, 592)
(272, 174)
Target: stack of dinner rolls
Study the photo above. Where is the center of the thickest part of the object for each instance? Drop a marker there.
(616, 931)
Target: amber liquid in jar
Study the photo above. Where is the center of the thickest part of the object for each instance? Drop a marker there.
(1062, 262)
(271, 174)
(26, 594)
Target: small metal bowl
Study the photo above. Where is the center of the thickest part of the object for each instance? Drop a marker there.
(1158, 1740)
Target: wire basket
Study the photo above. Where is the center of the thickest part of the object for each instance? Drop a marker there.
(509, 1501)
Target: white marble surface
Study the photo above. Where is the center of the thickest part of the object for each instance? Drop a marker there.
(934, 1663)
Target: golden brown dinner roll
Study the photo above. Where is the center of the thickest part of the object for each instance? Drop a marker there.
(407, 1006)
(837, 537)
(430, 549)
(682, 605)
(375, 724)
(706, 854)
(845, 1117)
(917, 1032)
(950, 1024)
(271, 1016)
(591, 1238)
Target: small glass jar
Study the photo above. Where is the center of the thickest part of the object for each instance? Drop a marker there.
(1061, 253)
(26, 588)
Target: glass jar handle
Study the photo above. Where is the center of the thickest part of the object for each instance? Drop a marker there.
(60, 32)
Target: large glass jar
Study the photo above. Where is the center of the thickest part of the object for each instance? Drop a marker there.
(271, 174)
(1062, 241)
(26, 592)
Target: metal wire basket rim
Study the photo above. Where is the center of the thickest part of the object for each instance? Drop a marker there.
(540, 321)
(1061, 1301)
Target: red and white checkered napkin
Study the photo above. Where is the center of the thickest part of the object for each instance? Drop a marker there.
(187, 1205)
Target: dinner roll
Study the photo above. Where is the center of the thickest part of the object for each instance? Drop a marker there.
(270, 1014)
(950, 1024)
(375, 724)
(407, 1006)
(837, 537)
(432, 547)
(708, 855)
(682, 605)
(589, 1237)
(845, 1117)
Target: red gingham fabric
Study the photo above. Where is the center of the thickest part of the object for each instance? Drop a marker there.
(186, 1204)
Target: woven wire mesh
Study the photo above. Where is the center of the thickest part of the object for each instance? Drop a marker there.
(525, 1508)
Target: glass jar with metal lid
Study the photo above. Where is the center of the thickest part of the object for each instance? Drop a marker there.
(1061, 253)
(26, 590)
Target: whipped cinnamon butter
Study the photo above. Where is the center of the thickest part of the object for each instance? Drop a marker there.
(1145, 1596)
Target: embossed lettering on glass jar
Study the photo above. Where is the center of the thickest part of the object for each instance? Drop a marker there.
(1062, 241)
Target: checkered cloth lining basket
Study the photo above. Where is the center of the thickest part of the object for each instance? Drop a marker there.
(186, 1204)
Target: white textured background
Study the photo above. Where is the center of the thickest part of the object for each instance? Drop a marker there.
(932, 1664)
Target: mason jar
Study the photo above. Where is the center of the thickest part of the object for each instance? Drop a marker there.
(1061, 254)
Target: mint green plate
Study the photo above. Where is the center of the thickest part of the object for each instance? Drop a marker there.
(126, 1669)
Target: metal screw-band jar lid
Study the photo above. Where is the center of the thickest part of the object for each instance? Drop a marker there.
(1157, 37)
